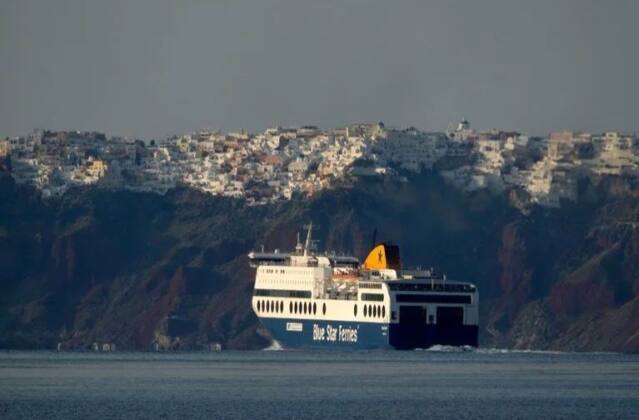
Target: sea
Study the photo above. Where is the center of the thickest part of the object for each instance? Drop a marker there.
(447, 383)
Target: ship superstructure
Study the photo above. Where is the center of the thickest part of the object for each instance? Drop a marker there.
(312, 300)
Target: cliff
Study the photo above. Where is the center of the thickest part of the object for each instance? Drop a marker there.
(143, 270)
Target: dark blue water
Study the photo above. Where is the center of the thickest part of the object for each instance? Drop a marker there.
(292, 385)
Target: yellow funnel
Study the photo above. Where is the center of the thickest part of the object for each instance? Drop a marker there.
(383, 256)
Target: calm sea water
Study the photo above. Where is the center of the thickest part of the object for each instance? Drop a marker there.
(291, 385)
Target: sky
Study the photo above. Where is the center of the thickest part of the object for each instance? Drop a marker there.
(150, 69)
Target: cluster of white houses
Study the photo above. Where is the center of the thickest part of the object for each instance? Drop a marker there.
(283, 161)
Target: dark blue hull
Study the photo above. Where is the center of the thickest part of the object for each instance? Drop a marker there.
(322, 334)
(346, 335)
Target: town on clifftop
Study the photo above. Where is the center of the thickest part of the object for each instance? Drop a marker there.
(280, 162)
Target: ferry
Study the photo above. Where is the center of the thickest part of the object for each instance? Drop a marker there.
(307, 299)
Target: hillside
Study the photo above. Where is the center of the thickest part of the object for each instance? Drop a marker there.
(137, 269)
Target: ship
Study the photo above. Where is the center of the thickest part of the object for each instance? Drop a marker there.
(307, 299)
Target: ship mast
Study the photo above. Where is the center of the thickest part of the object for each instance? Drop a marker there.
(307, 244)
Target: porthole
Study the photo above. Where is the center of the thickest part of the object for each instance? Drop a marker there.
(305, 308)
(374, 311)
(323, 309)
(281, 306)
(295, 307)
(259, 307)
(365, 310)
(314, 308)
(383, 311)
(355, 310)
(290, 307)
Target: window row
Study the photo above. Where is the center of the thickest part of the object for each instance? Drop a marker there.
(295, 307)
(372, 311)
(270, 306)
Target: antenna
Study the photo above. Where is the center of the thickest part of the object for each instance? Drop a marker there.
(298, 245)
(307, 244)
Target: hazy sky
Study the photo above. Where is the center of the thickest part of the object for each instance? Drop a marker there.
(155, 68)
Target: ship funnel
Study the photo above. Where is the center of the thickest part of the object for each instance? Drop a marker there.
(383, 256)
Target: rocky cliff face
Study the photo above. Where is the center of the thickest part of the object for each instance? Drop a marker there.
(144, 270)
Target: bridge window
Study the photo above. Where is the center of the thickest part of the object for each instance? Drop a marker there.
(295, 307)
(383, 311)
(314, 308)
(323, 309)
(374, 311)
(281, 306)
(290, 307)
(423, 298)
(374, 297)
(283, 293)
(355, 310)
(365, 310)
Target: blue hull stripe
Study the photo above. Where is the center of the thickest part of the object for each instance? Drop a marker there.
(344, 335)
(322, 334)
